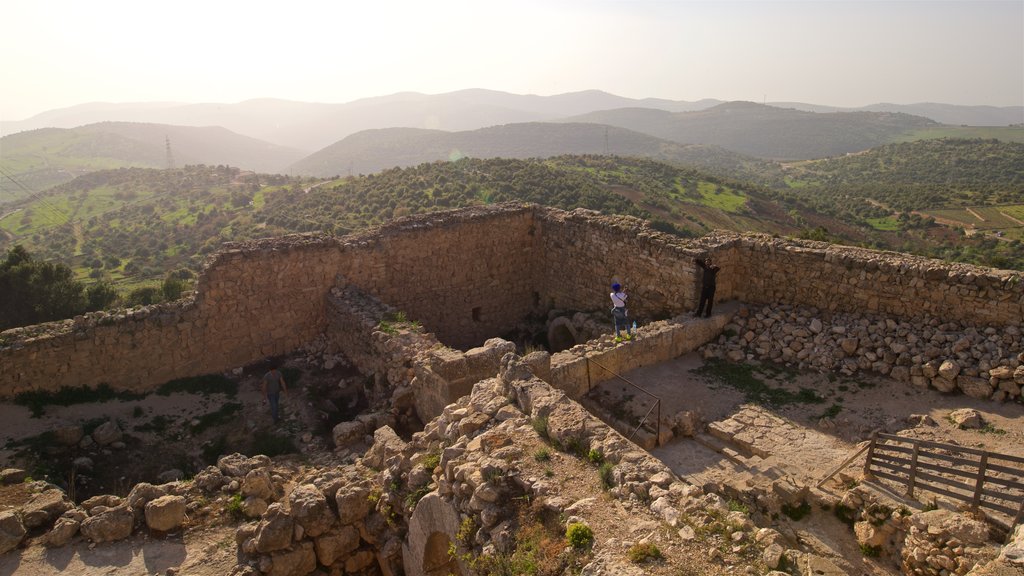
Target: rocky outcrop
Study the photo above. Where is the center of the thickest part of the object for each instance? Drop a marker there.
(12, 531)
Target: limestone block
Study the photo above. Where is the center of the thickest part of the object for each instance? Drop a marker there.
(43, 508)
(310, 510)
(165, 513)
(949, 369)
(974, 387)
(353, 503)
(110, 525)
(274, 531)
(62, 532)
(335, 544)
(258, 483)
(295, 562)
(12, 531)
(107, 433)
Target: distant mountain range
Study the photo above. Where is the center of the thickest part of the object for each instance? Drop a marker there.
(312, 126)
(374, 150)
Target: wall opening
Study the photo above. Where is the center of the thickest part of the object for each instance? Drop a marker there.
(436, 560)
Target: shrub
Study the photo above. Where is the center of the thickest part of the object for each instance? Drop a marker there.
(595, 457)
(540, 426)
(542, 455)
(796, 512)
(642, 553)
(579, 536)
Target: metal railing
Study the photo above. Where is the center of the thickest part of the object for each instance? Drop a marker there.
(656, 406)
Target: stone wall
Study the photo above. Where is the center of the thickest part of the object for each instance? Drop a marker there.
(471, 274)
(584, 252)
(844, 279)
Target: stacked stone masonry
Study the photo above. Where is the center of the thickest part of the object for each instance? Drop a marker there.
(471, 274)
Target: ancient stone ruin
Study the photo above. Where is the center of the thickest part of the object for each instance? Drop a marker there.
(421, 305)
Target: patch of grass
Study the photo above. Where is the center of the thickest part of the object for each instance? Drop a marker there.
(574, 446)
(540, 426)
(742, 377)
(607, 477)
(737, 506)
(542, 455)
(36, 401)
(416, 495)
(579, 536)
(990, 429)
(595, 456)
(205, 385)
(431, 460)
(234, 506)
(269, 444)
(796, 513)
(643, 553)
(219, 416)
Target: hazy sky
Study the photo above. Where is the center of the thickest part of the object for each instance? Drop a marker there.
(57, 53)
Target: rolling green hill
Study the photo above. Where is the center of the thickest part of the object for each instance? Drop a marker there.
(766, 131)
(39, 159)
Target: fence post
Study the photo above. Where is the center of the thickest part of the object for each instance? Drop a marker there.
(982, 467)
(913, 470)
(871, 454)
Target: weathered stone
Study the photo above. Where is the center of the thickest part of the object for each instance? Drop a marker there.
(64, 529)
(258, 483)
(296, 562)
(141, 494)
(12, 476)
(68, 435)
(12, 531)
(974, 387)
(949, 369)
(253, 507)
(353, 503)
(310, 510)
(385, 444)
(43, 508)
(966, 418)
(107, 433)
(165, 513)
(335, 544)
(347, 433)
(238, 465)
(274, 532)
(110, 525)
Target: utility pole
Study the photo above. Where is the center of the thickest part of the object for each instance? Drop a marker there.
(170, 156)
(605, 140)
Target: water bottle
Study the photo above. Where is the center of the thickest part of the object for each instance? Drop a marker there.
(633, 331)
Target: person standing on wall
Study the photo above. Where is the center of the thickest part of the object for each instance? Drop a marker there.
(273, 385)
(707, 285)
(619, 312)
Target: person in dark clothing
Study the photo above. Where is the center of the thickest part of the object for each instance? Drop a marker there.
(272, 385)
(707, 285)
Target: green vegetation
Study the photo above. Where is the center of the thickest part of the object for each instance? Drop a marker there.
(35, 291)
(737, 506)
(606, 471)
(579, 536)
(36, 401)
(642, 553)
(542, 455)
(743, 378)
(234, 506)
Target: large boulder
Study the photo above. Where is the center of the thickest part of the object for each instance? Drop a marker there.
(68, 435)
(238, 465)
(12, 531)
(258, 483)
(63, 531)
(309, 509)
(45, 507)
(347, 433)
(165, 513)
(949, 369)
(274, 532)
(353, 503)
(974, 387)
(141, 494)
(966, 418)
(110, 525)
(107, 433)
(385, 444)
